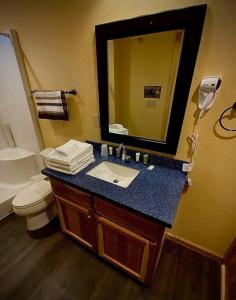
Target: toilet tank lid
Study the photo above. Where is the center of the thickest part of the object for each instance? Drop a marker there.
(32, 194)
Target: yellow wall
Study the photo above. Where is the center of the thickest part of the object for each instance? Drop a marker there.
(58, 41)
(122, 57)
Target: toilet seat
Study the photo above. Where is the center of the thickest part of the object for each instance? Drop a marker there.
(36, 202)
(34, 195)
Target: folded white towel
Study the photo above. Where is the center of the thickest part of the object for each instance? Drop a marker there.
(75, 171)
(69, 147)
(72, 145)
(72, 158)
(74, 166)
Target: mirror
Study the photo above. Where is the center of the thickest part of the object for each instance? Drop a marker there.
(141, 80)
(145, 67)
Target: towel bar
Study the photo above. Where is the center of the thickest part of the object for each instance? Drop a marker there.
(71, 92)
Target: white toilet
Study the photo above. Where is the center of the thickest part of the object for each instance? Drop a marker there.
(36, 203)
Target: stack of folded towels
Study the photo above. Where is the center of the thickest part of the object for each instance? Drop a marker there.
(71, 157)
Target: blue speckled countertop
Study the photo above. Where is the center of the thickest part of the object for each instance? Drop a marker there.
(155, 193)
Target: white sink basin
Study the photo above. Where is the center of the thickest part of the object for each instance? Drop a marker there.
(113, 173)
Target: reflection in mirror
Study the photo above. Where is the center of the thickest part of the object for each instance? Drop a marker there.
(142, 73)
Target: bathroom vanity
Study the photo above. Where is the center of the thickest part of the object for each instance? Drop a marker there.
(124, 238)
(125, 226)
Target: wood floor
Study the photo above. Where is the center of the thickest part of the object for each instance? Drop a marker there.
(57, 267)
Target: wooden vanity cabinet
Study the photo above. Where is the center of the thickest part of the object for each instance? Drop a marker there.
(143, 226)
(129, 240)
(76, 214)
(77, 222)
(122, 247)
(126, 239)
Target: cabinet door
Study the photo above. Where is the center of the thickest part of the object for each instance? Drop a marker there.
(123, 248)
(77, 221)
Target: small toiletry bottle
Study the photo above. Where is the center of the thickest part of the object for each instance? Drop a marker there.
(145, 159)
(110, 150)
(137, 156)
(104, 150)
(117, 152)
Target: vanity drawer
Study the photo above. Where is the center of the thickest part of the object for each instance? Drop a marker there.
(72, 194)
(145, 227)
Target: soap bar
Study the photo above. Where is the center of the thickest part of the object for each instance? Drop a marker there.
(150, 168)
(187, 167)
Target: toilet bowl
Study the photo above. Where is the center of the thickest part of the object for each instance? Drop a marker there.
(36, 203)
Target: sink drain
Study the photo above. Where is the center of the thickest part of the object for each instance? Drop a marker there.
(115, 181)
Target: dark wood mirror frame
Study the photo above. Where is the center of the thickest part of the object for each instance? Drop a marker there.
(191, 20)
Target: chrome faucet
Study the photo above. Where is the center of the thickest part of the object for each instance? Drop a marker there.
(122, 152)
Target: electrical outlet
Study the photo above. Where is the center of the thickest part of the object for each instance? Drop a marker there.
(96, 121)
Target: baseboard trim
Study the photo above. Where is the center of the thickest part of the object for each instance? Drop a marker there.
(223, 283)
(229, 269)
(230, 252)
(201, 250)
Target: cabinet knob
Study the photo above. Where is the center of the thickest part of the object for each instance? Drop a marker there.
(88, 216)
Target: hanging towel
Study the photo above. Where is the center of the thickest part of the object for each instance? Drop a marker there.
(51, 105)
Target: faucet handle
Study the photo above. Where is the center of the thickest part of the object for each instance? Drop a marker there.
(121, 146)
(127, 158)
(123, 157)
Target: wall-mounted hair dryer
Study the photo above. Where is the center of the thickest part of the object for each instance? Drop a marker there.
(207, 92)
